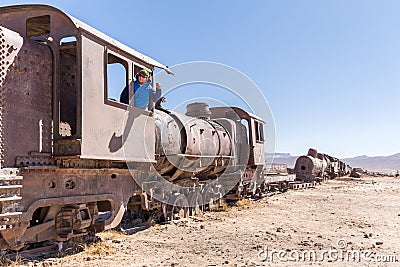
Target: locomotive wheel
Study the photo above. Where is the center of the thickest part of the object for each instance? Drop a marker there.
(196, 203)
(178, 209)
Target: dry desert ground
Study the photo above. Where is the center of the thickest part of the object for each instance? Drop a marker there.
(341, 222)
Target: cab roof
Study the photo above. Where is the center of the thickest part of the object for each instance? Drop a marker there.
(83, 27)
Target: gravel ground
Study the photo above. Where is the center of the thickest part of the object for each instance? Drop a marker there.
(341, 222)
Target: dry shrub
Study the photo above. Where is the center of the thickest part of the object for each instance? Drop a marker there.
(111, 235)
(224, 206)
(100, 249)
(11, 263)
(219, 206)
(243, 203)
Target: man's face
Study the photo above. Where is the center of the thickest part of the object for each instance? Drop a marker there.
(142, 78)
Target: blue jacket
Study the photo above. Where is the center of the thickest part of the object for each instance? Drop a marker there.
(141, 94)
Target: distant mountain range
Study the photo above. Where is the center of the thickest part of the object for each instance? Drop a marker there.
(380, 163)
(282, 158)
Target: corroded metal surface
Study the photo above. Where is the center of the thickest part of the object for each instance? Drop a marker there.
(26, 97)
(316, 166)
(198, 110)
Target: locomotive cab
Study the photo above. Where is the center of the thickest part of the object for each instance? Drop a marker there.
(88, 121)
(250, 139)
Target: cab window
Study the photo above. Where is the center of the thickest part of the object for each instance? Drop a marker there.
(259, 131)
(38, 26)
(117, 77)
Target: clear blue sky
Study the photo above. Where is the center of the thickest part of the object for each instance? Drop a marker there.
(329, 69)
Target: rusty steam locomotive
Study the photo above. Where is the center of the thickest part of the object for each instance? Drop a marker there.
(74, 160)
(318, 166)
